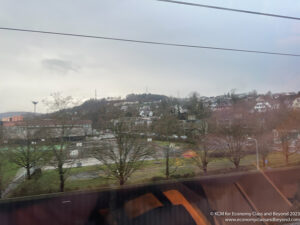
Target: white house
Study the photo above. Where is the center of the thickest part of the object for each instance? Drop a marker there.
(262, 106)
(296, 103)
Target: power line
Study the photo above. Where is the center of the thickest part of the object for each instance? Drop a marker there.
(230, 9)
(150, 42)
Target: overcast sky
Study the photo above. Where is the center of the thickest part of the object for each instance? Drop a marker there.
(32, 66)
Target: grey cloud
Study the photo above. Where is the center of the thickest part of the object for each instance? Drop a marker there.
(61, 66)
(77, 66)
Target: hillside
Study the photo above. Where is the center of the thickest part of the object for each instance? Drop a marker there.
(9, 114)
(145, 97)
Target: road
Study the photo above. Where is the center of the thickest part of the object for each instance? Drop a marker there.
(183, 202)
(18, 179)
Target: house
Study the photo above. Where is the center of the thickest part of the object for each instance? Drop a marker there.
(296, 103)
(124, 108)
(12, 118)
(178, 109)
(222, 107)
(145, 111)
(262, 106)
(143, 122)
(191, 118)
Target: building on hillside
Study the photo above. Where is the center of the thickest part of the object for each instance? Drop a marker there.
(44, 129)
(222, 106)
(296, 103)
(286, 99)
(13, 119)
(265, 103)
(124, 108)
(124, 103)
(145, 111)
(134, 123)
(260, 99)
(143, 122)
(262, 106)
(111, 99)
(191, 117)
(177, 109)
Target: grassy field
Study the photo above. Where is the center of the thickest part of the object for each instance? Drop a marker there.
(48, 182)
(151, 171)
(277, 159)
(9, 171)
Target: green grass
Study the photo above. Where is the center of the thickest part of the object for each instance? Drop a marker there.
(224, 163)
(166, 144)
(162, 143)
(4, 149)
(95, 183)
(151, 171)
(145, 174)
(277, 159)
(9, 172)
(48, 182)
(84, 169)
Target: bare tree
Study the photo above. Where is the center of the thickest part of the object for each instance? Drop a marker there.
(206, 143)
(197, 107)
(265, 142)
(61, 156)
(262, 126)
(285, 138)
(206, 148)
(122, 157)
(57, 141)
(203, 153)
(234, 140)
(170, 165)
(287, 131)
(58, 103)
(234, 126)
(27, 153)
(165, 127)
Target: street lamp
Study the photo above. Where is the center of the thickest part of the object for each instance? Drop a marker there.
(34, 106)
(257, 156)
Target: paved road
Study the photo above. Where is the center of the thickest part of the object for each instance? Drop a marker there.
(182, 203)
(18, 179)
(83, 162)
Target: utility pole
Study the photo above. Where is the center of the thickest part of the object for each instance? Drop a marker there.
(34, 106)
(95, 94)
